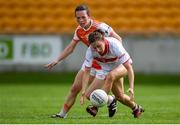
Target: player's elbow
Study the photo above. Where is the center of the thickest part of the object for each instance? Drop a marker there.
(127, 65)
(70, 49)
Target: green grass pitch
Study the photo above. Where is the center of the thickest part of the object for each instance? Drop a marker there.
(33, 97)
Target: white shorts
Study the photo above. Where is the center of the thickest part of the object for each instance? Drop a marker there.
(92, 72)
(99, 74)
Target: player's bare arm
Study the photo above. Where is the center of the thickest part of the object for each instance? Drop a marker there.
(85, 80)
(115, 35)
(67, 51)
(130, 71)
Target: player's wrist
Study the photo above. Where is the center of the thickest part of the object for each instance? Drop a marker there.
(83, 93)
(131, 90)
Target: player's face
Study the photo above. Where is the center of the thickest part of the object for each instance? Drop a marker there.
(82, 18)
(98, 46)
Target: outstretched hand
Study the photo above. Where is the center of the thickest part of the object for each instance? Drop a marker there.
(50, 65)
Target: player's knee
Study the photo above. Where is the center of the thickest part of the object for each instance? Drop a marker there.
(110, 78)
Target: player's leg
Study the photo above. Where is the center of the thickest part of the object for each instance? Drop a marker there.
(74, 90)
(72, 95)
(97, 83)
(114, 75)
(115, 81)
(118, 90)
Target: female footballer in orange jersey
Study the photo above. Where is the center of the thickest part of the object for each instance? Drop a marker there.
(86, 26)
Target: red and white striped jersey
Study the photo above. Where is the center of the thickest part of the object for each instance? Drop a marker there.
(114, 55)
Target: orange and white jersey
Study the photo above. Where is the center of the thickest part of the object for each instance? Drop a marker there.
(82, 34)
(113, 56)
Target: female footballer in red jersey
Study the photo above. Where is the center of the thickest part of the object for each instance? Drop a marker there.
(113, 58)
(86, 26)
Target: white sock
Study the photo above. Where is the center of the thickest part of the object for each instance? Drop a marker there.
(110, 99)
(62, 113)
(135, 107)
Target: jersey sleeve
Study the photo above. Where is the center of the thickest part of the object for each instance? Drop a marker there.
(75, 37)
(124, 58)
(88, 58)
(121, 53)
(106, 29)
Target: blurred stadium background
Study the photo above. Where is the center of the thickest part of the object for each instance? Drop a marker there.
(34, 32)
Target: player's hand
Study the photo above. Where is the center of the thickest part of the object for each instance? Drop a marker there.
(52, 64)
(131, 94)
(82, 98)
